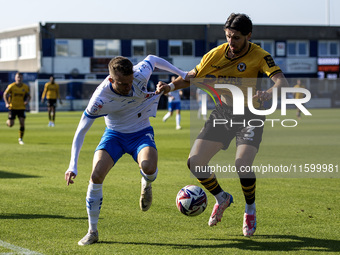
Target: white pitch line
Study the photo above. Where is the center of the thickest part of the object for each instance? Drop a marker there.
(17, 249)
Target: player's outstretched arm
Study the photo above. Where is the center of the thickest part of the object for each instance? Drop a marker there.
(179, 83)
(78, 140)
(279, 81)
(165, 65)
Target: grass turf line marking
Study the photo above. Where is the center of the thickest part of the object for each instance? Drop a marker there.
(17, 249)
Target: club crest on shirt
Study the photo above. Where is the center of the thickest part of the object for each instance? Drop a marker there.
(241, 67)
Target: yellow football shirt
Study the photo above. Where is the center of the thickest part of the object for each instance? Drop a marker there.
(242, 71)
(299, 95)
(51, 91)
(17, 95)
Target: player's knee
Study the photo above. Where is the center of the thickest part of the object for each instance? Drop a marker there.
(148, 166)
(10, 123)
(193, 163)
(97, 178)
(239, 163)
(188, 162)
(196, 166)
(195, 160)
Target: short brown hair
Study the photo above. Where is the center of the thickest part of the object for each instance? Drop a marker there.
(240, 22)
(122, 65)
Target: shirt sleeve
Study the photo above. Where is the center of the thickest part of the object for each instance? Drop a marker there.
(269, 67)
(44, 92)
(78, 140)
(164, 65)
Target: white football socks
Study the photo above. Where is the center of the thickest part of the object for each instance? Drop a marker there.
(149, 177)
(166, 116)
(94, 199)
(220, 197)
(250, 209)
(178, 120)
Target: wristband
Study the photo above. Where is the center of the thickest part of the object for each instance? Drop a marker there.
(172, 86)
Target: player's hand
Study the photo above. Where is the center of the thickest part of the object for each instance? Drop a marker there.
(162, 87)
(69, 176)
(263, 95)
(190, 75)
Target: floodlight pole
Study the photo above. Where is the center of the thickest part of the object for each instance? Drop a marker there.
(328, 14)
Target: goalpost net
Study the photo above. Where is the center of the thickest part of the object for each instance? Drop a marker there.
(74, 93)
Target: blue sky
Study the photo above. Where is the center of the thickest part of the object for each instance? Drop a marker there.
(273, 12)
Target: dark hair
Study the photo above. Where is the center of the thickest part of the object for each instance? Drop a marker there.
(240, 22)
(122, 65)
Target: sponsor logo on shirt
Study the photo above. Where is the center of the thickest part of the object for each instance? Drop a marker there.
(97, 106)
(269, 60)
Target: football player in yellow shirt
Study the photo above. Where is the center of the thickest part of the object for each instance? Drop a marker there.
(298, 96)
(238, 62)
(16, 97)
(51, 91)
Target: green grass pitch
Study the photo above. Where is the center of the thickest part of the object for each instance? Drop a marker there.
(40, 213)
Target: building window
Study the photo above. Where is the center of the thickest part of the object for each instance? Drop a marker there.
(8, 49)
(27, 46)
(267, 45)
(106, 48)
(328, 48)
(298, 48)
(181, 47)
(144, 47)
(68, 48)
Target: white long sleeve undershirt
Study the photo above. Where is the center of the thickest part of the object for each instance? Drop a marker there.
(165, 65)
(78, 140)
